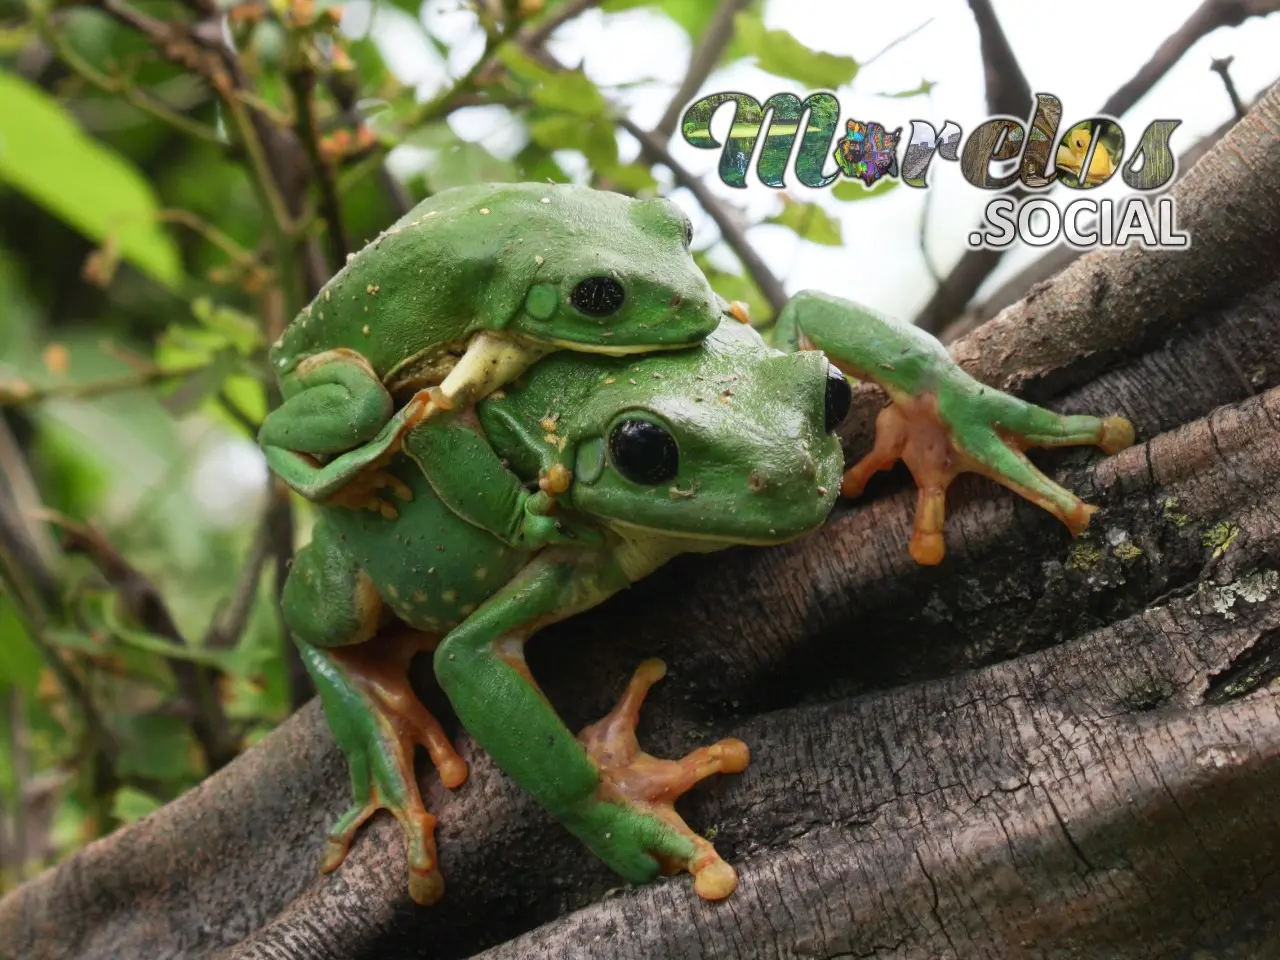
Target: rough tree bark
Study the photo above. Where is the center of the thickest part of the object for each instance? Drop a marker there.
(1042, 748)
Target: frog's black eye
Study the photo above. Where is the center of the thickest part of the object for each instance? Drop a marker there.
(643, 452)
(598, 296)
(688, 233)
(839, 398)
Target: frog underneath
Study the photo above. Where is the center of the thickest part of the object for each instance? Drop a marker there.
(728, 443)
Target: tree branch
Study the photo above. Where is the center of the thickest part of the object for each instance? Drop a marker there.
(1209, 16)
(974, 266)
(1057, 259)
(705, 56)
(302, 83)
(1007, 89)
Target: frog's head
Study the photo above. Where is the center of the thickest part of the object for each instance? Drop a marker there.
(729, 442)
(604, 273)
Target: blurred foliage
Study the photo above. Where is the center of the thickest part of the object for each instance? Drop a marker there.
(156, 232)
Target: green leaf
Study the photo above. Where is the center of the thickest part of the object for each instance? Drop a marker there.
(630, 178)
(570, 92)
(20, 661)
(154, 746)
(779, 53)
(594, 138)
(523, 66)
(46, 156)
(810, 221)
(239, 330)
(851, 190)
(130, 805)
(925, 87)
(692, 15)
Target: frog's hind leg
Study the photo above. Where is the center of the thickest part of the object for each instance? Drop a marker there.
(653, 785)
(334, 406)
(372, 711)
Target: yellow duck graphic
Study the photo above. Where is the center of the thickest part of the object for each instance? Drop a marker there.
(1073, 150)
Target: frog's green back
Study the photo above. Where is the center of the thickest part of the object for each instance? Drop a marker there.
(465, 259)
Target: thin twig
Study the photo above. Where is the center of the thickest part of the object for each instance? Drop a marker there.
(122, 86)
(537, 34)
(1209, 16)
(893, 43)
(200, 47)
(30, 609)
(705, 56)
(17, 393)
(303, 82)
(230, 408)
(1222, 67)
(242, 257)
(345, 93)
(228, 625)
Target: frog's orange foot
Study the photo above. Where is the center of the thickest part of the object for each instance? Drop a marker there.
(426, 883)
(426, 403)
(994, 430)
(378, 670)
(651, 785)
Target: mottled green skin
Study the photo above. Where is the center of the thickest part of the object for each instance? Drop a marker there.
(489, 257)
(757, 465)
(445, 270)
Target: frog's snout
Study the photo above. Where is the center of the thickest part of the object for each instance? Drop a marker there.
(793, 464)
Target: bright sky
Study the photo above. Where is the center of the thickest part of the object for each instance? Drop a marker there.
(880, 263)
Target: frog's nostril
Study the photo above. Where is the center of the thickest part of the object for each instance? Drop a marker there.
(839, 398)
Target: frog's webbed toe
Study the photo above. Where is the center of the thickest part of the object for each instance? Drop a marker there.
(652, 785)
(941, 435)
(380, 754)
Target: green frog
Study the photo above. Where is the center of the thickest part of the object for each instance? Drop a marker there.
(456, 299)
(729, 442)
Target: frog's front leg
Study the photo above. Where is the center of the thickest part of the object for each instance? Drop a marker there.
(613, 797)
(941, 421)
(489, 361)
(333, 612)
